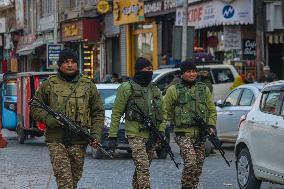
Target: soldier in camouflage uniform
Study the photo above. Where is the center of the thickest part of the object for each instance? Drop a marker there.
(187, 98)
(148, 97)
(77, 97)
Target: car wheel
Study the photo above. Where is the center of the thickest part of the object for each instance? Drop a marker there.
(245, 174)
(98, 154)
(161, 153)
(208, 148)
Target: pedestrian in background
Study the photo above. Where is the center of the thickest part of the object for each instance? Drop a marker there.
(77, 97)
(114, 78)
(183, 101)
(268, 76)
(249, 78)
(148, 98)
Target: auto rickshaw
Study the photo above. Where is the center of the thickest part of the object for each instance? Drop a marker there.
(27, 84)
(8, 98)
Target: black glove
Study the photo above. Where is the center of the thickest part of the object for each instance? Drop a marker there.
(162, 134)
(112, 143)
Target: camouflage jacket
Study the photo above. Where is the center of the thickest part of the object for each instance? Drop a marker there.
(84, 106)
(123, 97)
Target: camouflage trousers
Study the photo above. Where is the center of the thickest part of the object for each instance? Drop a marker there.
(142, 159)
(193, 159)
(67, 163)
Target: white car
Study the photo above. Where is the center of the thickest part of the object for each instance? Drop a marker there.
(259, 148)
(222, 77)
(237, 103)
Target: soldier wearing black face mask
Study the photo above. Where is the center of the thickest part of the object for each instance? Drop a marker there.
(148, 98)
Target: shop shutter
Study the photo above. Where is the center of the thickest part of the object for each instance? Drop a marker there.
(123, 50)
(110, 29)
(177, 42)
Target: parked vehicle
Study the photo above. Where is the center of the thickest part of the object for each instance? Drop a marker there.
(222, 77)
(237, 103)
(259, 147)
(27, 84)
(8, 98)
(108, 95)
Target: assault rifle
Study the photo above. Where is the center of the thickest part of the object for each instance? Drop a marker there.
(150, 126)
(67, 122)
(204, 133)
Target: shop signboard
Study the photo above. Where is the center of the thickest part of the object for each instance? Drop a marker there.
(232, 38)
(52, 58)
(72, 31)
(103, 6)
(249, 49)
(217, 13)
(153, 8)
(125, 12)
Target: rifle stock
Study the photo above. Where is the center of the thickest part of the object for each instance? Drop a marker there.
(67, 122)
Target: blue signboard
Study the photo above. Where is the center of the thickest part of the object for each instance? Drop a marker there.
(53, 51)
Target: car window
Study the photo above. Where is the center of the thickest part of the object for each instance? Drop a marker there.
(155, 75)
(222, 75)
(202, 69)
(282, 109)
(232, 99)
(108, 97)
(247, 98)
(269, 101)
(165, 80)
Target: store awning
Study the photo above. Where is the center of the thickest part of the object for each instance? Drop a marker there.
(28, 49)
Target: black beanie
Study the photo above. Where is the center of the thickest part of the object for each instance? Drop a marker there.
(67, 54)
(187, 65)
(141, 63)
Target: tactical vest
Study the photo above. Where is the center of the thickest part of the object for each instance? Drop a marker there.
(148, 99)
(189, 102)
(77, 107)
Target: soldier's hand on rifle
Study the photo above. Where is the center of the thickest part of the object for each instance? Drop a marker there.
(94, 143)
(51, 122)
(112, 143)
(211, 129)
(162, 134)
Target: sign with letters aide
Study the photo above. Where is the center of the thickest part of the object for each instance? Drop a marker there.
(53, 51)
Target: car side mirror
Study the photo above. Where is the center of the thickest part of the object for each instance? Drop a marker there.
(219, 103)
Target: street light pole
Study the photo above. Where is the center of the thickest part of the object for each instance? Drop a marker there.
(184, 31)
(55, 21)
(259, 38)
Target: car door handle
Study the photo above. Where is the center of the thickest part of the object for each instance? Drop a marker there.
(250, 121)
(230, 113)
(275, 126)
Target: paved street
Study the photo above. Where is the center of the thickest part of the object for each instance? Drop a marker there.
(28, 166)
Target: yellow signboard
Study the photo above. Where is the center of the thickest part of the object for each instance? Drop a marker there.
(130, 11)
(103, 7)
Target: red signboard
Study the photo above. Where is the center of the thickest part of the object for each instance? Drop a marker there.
(77, 30)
